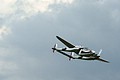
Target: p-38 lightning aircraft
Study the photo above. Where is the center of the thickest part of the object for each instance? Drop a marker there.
(77, 52)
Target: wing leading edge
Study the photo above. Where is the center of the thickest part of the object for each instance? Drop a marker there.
(65, 54)
(69, 45)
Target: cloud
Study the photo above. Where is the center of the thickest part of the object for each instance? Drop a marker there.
(41, 5)
(86, 22)
(7, 67)
(27, 8)
(33, 7)
(7, 7)
(4, 31)
(13, 10)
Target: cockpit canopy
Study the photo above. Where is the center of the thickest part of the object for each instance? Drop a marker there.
(85, 49)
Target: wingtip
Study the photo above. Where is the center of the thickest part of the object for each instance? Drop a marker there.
(57, 36)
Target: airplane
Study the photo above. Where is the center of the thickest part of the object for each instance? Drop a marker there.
(77, 52)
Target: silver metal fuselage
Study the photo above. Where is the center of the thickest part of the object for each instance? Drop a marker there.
(81, 52)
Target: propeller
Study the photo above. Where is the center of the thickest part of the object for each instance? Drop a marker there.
(71, 54)
(54, 48)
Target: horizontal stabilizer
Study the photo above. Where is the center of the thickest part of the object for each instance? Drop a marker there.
(103, 60)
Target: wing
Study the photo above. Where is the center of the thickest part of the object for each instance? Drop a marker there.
(69, 45)
(65, 54)
(103, 60)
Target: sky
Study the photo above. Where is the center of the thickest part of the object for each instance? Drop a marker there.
(27, 34)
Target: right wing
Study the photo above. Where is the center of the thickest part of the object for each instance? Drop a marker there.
(69, 45)
(65, 54)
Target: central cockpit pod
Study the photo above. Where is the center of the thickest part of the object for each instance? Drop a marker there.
(85, 49)
(93, 51)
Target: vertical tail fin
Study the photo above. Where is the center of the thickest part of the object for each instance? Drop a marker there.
(100, 52)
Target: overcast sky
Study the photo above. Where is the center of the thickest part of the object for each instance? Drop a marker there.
(27, 34)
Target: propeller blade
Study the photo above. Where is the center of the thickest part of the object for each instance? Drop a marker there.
(54, 48)
(72, 55)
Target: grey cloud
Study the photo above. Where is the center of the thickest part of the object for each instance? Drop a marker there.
(88, 24)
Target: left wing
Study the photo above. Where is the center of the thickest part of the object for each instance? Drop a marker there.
(69, 45)
(103, 60)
